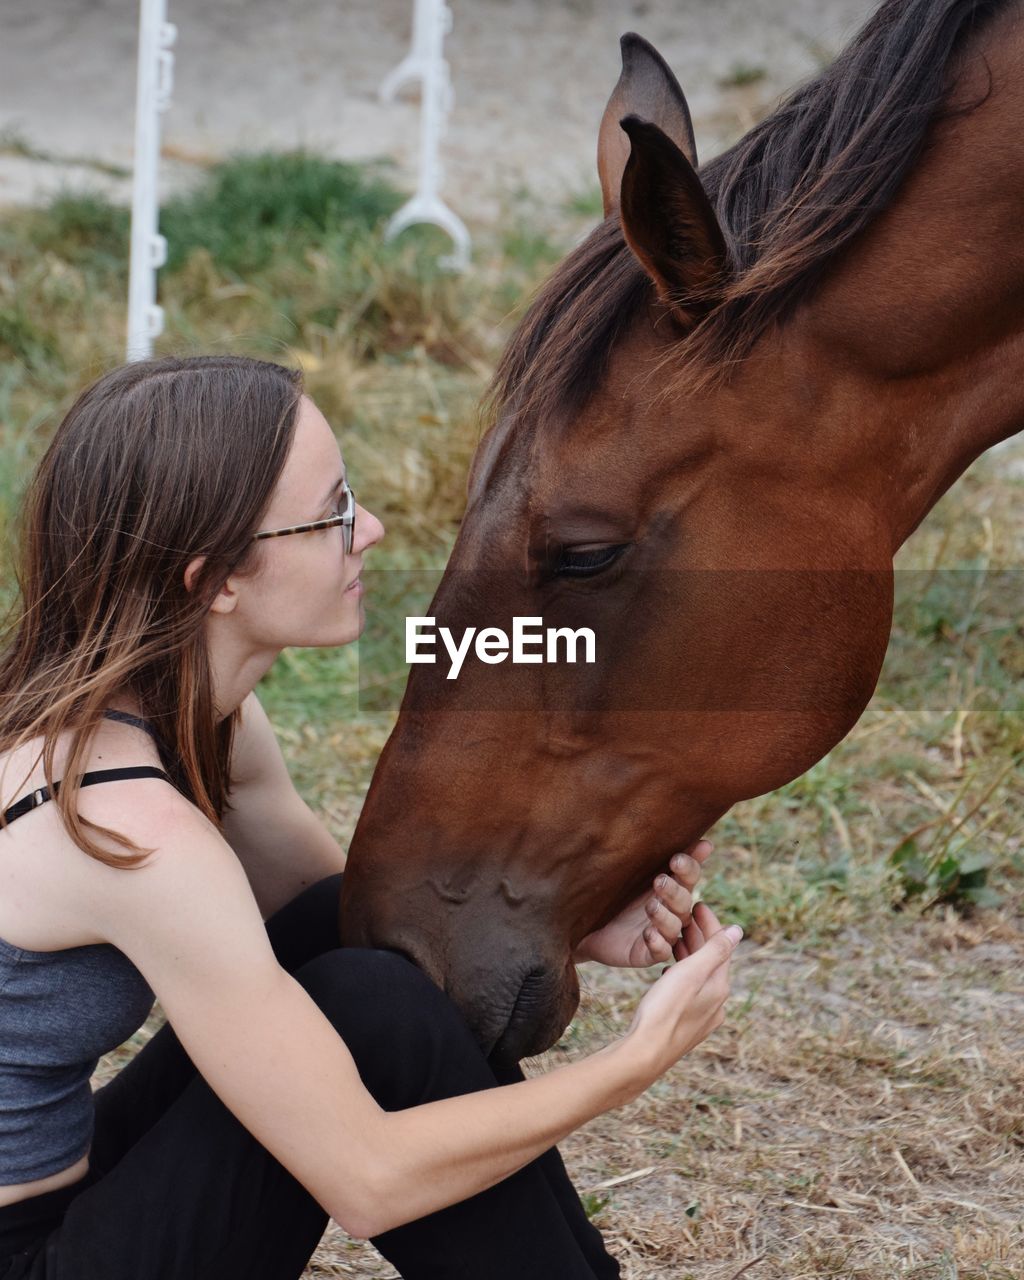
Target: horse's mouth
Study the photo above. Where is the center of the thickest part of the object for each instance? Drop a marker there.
(542, 1009)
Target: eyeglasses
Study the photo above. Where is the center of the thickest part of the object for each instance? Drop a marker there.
(346, 518)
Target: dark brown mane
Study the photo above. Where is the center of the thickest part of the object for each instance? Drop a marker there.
(790, 196)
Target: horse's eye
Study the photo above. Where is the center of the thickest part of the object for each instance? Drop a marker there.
(573, 563)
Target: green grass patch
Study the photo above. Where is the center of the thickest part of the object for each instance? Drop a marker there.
(84, 230)
(255, 208)
(741, 74)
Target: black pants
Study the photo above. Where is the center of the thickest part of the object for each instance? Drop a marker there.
(178, 1189)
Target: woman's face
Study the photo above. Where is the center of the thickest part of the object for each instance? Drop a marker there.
(306, 591)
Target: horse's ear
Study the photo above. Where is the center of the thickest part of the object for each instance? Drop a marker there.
(669, 223)
(648, 89)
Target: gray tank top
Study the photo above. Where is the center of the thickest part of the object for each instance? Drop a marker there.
(60, 1012)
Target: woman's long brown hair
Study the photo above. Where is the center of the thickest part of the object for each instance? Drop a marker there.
(156, 463)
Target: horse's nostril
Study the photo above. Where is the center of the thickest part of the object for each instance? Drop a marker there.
(453, 889)
(534, 982)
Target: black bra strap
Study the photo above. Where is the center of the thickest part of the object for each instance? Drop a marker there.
(42, 794)
(126, 717)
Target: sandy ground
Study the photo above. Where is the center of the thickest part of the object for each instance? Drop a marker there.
(531, 80)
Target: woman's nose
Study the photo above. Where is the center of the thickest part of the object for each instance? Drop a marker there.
(368, 531)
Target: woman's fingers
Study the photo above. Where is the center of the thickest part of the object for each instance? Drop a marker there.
(658, 946)
(686, 866)
(701, 851)
(693, 936)
(706, 920)
(673, 930)
(715, 953)
(703, 925)
(662, 932)
(671, 908)
(704, 974)
(686, 1004)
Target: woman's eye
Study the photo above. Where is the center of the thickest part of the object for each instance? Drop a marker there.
(584, 564)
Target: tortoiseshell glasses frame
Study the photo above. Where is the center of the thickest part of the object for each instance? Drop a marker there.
(346, 518)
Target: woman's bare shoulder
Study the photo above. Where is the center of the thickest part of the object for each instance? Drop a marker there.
(188, 857)
(53, 894)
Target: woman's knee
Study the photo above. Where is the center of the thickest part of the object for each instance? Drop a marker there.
(408, 1039)
(373, 985)
(307, 926)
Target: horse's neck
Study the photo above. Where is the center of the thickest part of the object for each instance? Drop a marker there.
(926, 315)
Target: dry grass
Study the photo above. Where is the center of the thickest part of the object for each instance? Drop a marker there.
(859, 1115)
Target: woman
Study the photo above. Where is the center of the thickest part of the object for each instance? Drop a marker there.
(294, 1079)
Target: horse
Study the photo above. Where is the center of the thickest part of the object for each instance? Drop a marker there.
(720, 418)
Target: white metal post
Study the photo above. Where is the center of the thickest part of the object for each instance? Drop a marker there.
(432, 21)
(148, 247)
(415, 63)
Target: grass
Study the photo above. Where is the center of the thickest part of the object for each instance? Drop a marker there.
(859, 1114)
(741, 74)
(280, 257)
(261, 207)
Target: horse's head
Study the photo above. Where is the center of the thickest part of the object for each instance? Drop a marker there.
(718, 537)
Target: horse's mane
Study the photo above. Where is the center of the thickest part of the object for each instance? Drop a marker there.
(790, 196)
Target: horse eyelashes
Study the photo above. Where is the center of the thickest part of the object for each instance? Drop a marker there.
(583, 564)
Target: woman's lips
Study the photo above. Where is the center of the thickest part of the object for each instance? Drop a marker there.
(354, 588)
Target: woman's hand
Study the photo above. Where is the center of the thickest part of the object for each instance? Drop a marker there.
(686, 1003)
(651, 929)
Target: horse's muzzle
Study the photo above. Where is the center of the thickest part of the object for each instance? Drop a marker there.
(540, 1013)
(510, 975)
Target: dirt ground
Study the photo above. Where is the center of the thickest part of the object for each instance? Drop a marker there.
(531, 79)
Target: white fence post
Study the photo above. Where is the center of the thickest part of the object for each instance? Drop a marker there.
(432, 20)
(148, 247)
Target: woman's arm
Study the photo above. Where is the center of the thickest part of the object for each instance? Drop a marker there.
(280, 842)
(188, 920)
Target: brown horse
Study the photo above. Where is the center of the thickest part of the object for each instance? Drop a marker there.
(723, 414)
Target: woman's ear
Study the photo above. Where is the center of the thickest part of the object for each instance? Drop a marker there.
(226, 599)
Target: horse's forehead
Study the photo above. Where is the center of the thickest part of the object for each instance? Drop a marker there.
(510, 461)
(521, 467)
(493, 458)
(530, 457)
